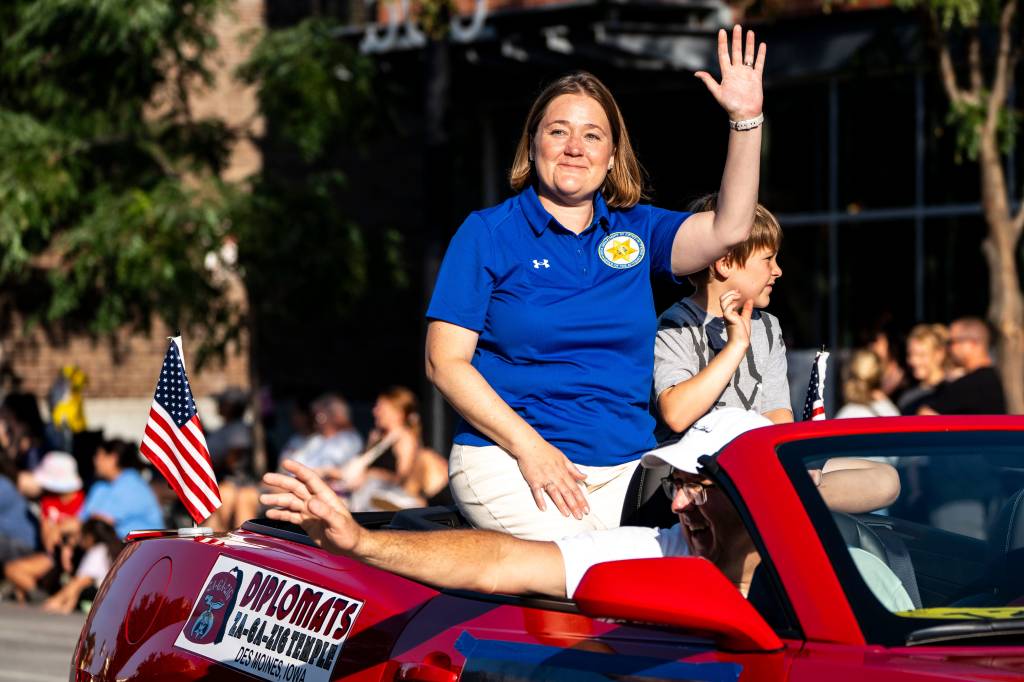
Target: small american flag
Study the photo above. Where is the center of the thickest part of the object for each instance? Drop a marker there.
(814, 405)
(174, 442)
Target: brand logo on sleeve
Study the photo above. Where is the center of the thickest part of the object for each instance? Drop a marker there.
(621, 250)
(543, 263)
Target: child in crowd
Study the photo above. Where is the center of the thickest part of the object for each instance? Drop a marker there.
(718, 348)
(61, 499)
(100, 545)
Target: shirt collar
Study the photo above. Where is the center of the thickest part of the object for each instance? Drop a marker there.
(539, 219)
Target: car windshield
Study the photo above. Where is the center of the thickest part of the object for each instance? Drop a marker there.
(951, 545)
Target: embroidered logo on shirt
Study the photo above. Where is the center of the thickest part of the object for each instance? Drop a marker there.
(621, 250)
(538, 264)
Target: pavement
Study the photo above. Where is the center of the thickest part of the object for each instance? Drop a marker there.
(36, 646)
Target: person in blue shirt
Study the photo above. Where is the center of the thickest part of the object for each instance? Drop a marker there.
(121, 497)
(18, 536)
(542, 321)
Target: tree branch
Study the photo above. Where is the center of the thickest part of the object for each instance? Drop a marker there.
(946, 70)
(975, 70)
(181, 83)
(1005, 61)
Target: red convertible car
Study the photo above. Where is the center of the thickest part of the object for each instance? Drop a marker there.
(264, 602)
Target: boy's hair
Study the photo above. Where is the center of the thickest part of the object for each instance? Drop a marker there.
(765, 234)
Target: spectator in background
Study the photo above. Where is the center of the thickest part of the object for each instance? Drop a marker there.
(100, 545)
(979, 390)
(397, 470)
(230, 445)
(300, 419)
(121, 497)
(862, 388)
(61, 500)
(231, 454)
(67, 410)
(928, 360)
(336, 440)
(885, 344)
(17, 532)
(22, 431)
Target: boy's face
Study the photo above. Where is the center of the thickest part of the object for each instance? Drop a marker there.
(755, 278)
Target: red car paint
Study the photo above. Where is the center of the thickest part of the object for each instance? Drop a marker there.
(408, 631)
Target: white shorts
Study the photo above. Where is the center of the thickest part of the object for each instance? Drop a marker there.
(491, 493)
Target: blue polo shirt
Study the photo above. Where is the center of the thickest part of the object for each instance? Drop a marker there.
(566, 321)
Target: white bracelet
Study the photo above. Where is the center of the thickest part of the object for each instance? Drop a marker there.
(748, 123)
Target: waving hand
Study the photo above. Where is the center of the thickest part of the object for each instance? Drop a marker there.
(740, 93)
(307, 501)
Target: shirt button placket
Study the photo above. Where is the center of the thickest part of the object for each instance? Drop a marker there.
(579, 254)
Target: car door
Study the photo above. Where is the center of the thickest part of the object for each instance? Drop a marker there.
(465, 636)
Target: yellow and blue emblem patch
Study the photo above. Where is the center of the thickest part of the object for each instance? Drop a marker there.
(621, 250)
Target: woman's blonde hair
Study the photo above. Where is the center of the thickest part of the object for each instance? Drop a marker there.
(624, 185)
(765, 234)
(405, 401)
(935, 334)
(862, 377)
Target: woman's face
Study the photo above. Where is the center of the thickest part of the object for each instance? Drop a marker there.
(924, 358)
(386, 416)
(572, 149)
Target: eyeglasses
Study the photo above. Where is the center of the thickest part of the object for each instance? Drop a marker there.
(696, 493)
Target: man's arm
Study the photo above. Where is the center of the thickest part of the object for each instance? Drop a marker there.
(857, 486)
(479, 560)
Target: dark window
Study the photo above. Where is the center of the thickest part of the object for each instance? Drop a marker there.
(949, 551)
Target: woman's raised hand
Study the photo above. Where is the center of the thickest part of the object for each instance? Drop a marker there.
(549, 472)
(740, 92)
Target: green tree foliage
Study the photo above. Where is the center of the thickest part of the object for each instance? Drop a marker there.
(110, 198)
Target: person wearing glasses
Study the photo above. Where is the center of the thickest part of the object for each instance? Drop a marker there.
(493, 562)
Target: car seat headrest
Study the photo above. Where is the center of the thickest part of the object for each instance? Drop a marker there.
(1007, 532)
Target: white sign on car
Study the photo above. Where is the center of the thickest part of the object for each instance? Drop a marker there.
(268, 624)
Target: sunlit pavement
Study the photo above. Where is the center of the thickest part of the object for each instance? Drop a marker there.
(36, 646)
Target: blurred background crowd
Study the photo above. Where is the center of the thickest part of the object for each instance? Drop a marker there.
(68, 496)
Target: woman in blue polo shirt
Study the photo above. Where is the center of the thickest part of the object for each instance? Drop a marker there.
(542, 321)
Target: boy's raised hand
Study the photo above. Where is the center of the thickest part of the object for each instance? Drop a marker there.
(737, 319)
